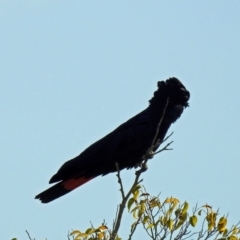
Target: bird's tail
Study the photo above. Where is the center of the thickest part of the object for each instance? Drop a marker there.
(61, 189)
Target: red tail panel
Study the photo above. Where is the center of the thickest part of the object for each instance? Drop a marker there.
(75, 182)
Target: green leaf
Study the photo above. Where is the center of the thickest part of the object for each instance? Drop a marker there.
(210, 226)
(140, 214)
(170, 210)
(136, 194)
(75, 232)
(193, 220)
(103, 228)
(164, 220)
(132, 226)
(235, 230)
(145, 219)
(100, 236)
(171, 200)
(136, 213)
(180, 223)
(225, 233)
(170, 224)
(232, 238)
(199, 212)
(134, 209)
(90, 231)
(142, 208)
(222, 224)
(185, 207)
(130, 203)
(183, 216)
(80, 236)
(135, 188)
(150, 226)
(177, 212)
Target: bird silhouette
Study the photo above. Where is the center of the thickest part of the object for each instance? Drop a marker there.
(125, 145)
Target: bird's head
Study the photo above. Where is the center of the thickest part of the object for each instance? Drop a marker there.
(177, 95)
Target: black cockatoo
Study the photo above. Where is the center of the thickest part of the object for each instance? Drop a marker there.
(125, 145)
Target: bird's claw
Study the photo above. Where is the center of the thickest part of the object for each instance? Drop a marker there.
(148, 155)
(143, 168)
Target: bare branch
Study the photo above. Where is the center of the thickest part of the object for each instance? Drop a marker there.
(164, 148)
(155, 144)
(120, 180)
(148, 155)
(167, 137)
(124, 201)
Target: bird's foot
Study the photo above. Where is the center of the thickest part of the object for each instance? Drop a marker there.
(148, 155)
(143, 167)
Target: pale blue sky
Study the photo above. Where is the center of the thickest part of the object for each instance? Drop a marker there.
(72, 71)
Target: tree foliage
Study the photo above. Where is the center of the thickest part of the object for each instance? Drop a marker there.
(168, 219)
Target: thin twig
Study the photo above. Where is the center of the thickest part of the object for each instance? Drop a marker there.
(149, 154)
(68, 236)
(160, 122)
(120, 180)
(134, 229)
(164, 148)
(29, 236)
(164, 140)
(124, 201)
(114, 220)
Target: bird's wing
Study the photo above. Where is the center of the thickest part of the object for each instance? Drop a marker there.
(125, 145)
